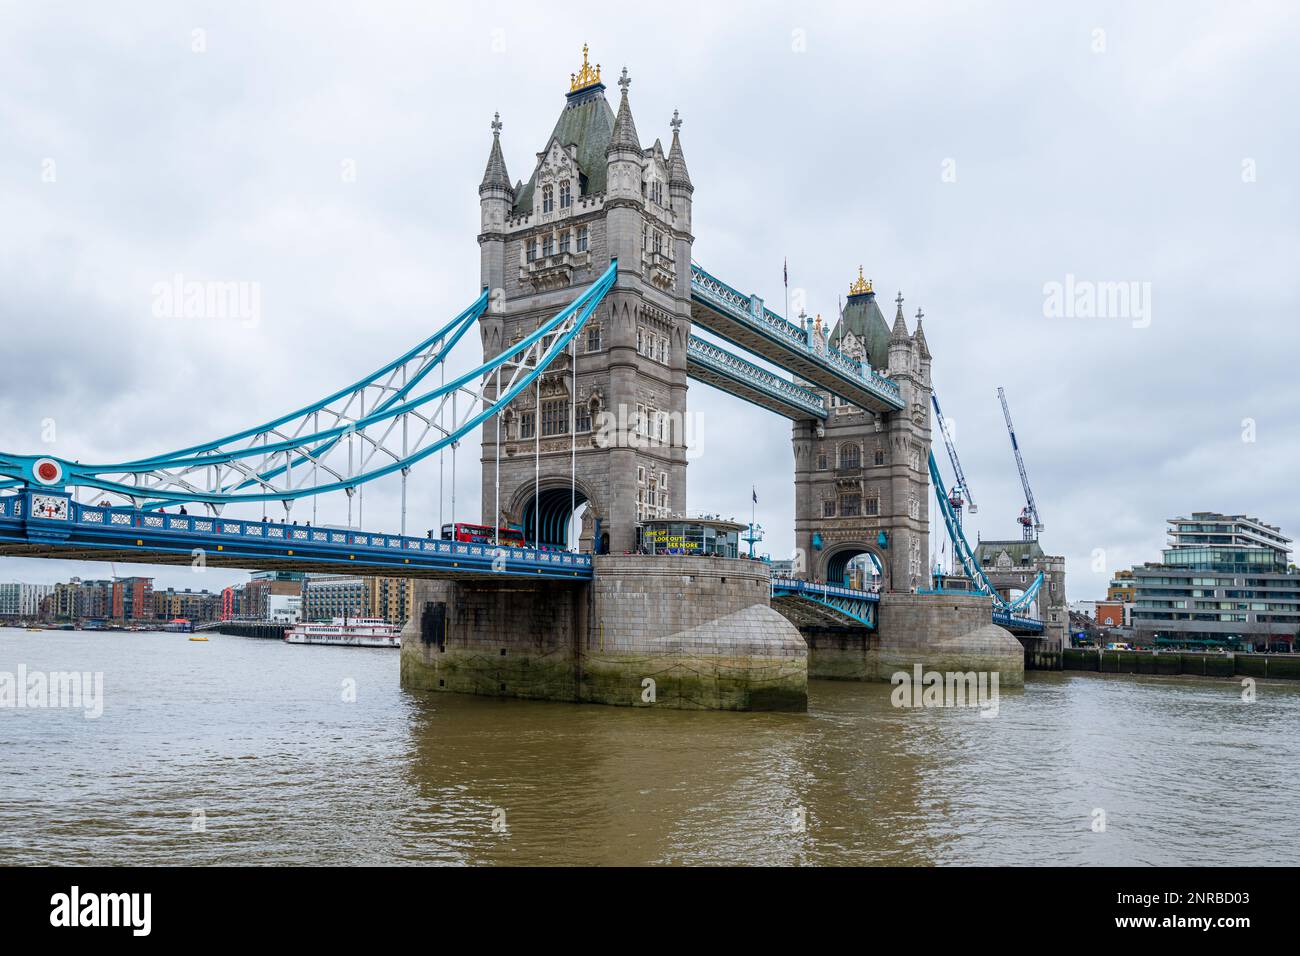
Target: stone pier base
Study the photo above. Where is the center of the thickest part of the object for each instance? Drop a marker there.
(650, 631)
(941, 632)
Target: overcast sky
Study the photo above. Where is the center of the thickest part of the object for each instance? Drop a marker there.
(967, 155)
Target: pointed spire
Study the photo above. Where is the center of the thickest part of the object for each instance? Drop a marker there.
(677, 173)
(624, 135)
(495, 176)
(899, 333)
(921, 347)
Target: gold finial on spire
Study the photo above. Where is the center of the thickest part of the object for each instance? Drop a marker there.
(586, 76)
(861, 286)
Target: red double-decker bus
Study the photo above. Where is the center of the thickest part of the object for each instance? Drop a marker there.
(482, 534)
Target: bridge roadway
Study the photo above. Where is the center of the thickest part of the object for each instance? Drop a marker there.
(744, 321)
(93, 533)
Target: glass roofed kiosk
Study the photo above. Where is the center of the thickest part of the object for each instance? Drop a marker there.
(699, 536)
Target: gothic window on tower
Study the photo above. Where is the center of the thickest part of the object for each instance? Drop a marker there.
(532, 250)
(640, 347)
(593, 338)
(849, 456)
(828, 508)
(555, 417)
(548, 245)
(914, 459)
(872, 506)
(582, 239)
(659, 242)
(566, 194)
(565, 238)
(879, 456)
(822, 462)
(548, 198)
(850, 506)
(583, 419)
(526, 425)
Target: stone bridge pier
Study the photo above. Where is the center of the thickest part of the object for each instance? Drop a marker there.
(941, 632)
(649, 630)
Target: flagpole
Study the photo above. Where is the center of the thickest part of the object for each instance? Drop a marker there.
(785, 277)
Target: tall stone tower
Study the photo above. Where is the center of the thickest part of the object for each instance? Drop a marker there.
(594, 194)
(862, 483)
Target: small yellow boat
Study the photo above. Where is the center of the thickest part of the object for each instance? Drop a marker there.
(198, 637)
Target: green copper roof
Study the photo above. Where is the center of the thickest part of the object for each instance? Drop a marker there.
(588, 122)
(863, 318)
(1020, 552)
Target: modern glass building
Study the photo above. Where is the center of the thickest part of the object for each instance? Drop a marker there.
(1225, 580)
(700, 536)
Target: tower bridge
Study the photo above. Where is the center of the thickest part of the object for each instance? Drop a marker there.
(587, 321)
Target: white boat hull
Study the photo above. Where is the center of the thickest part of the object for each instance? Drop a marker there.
(363, 632)
(343, 640)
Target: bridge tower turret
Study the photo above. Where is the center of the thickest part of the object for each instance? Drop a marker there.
(496, 196)
(594, 194)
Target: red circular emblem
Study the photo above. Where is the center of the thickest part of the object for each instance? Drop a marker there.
(47, 471)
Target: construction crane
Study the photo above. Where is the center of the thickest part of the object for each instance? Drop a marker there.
(1031, 525)
(960, 493)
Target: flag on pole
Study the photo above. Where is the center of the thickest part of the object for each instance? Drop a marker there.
(785, 272)
(755, 490)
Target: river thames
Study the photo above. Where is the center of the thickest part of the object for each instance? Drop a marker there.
(245, 751)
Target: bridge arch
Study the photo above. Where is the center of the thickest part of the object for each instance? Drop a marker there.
(548, 514)
(832, 565)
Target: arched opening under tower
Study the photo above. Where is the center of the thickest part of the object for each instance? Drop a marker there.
(553, 518)
(855, 566)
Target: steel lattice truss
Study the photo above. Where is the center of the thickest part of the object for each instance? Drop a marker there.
(383, 424)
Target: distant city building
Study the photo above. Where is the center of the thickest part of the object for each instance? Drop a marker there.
(1112, 613)
(256, 596)
(327, 596)
(1122, 588)
(132, 599)
(78, 600)
(284, 608)
(23, 601)
(1224, 579)
(193, 606)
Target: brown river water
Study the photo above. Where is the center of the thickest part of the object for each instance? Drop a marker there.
(250, 751)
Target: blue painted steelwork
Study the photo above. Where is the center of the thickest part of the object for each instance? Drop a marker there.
(291, 443)
(859, 606)
(839, 374)
(95, 533)
(725, 370)
(961, 547)
(1016, 623)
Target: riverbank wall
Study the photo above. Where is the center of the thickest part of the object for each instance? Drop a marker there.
(271, 632)
(1264, 666)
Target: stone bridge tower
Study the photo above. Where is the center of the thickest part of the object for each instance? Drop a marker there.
(594, 194)
(862, 483)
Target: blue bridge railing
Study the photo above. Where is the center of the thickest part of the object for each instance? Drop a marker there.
(732, 366)
(92, 526)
